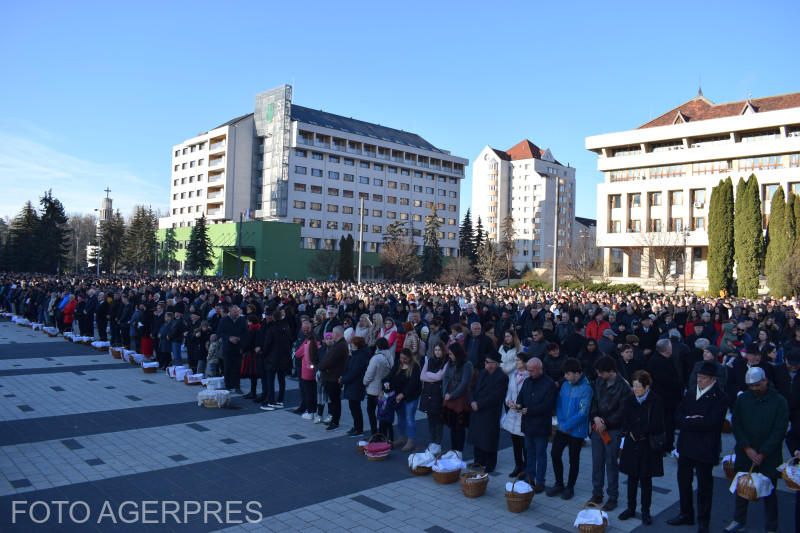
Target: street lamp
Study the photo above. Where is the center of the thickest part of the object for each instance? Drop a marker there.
(685, 233)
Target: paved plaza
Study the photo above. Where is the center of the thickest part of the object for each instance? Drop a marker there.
(135, 451)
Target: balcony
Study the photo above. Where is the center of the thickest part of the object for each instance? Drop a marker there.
(303, 140)
(213, 178)
(385, 157)
(214, 211)
(351, 150)
(339, 147)
(321, 144)
(216, 162)
(216, 146)
(215, 194)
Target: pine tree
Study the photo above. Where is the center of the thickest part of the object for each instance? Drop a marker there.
(466, 239)
(199, 250)
(52, 235)
(432, 262)
(346, 258)
(777, 244)
(112, 238)
(790, 222)
(480, 235)
(507, 246)
(140, 240)
(749, 239)
(169, 249)
(21, 254)
(796, 209)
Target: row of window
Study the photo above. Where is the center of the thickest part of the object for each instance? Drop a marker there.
(766, 162)
(655, 225)
(190, 194)
(190, 179)
(180, 210)
(319, 156)
(364, 180)
(655, 198)
(190, 149)
(753, 136)
(313, 243)
(189, 164)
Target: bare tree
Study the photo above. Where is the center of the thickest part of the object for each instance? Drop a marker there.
(398, 255)
(507, 244)
(582, 260)
(490, 264)
(457, 270)
(665, 251)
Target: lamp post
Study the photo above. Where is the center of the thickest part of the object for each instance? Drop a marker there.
(685, 234)
(99, 246)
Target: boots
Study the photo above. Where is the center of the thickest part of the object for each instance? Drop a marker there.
(399, 442)
(409, 446)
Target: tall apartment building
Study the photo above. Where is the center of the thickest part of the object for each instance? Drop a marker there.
(522, 182)
(659, 176)
(289, 163)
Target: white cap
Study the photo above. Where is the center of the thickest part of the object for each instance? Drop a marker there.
(755, 375)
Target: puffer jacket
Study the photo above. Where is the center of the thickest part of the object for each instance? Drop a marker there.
(378, 368)
(572, 408)
(608, 402)
(508, 358)
(726, 345)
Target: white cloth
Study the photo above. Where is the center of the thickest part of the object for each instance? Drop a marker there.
(222, 397)
(762, 483)
(425, 458)
(590, 516)
(792, 471)
(449, 465)
(520, 487)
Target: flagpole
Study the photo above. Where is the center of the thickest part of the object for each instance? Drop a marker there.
(360, 239)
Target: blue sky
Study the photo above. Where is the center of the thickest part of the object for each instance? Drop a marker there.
(96, 94)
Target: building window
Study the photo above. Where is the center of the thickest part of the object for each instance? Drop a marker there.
(406, 187)
(615, 226)
(299, 204)
(300, 221)
(403, 201)
(766, 135)
(349, 177)
(391, 199)
(761, 163)
(676, 198)
(626, 150)
(349, 162)
(363, 164)
(300, 170)
(347, 210)
(347, 226)
(316, 206)
(699, 196)
(200, 162)
(316, 155)
(452, 208)
(635, 226)
(363, 180)
(316, 189)
(391, 215)
(418, 203)
(377, 213)
(333, 175)
(615, 201)
(377, 181)
(332, 224)
(428, 190)
(416, 218)
(378, 166)
(315, 223)
(299, 153)
(376, 229)
(391, 170)
(347, 194)
(333, 208)
(669, 171)
(317, 172)
(635, 200)
(404, 172)
(391, 184)
(699, 223)
(418, 188)
(300, 187)
(199, 177)
(377, 197)
(676, 224)
(333, 192)
(333, 159)
(655, 199)
(363, 195)
(710, 167)
(403, 216)
(794, 160)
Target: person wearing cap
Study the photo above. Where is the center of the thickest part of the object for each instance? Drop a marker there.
(699, 418)
(486, 406)
(607, 343)
(648, 334)
(738, 371)
(760, 420)
(710, 354)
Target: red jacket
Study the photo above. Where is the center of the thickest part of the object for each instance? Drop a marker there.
(69, 311)
(594, 330)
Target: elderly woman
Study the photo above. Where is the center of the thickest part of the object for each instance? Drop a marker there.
(641, 460)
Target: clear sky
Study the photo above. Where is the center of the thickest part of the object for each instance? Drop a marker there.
(95, 94)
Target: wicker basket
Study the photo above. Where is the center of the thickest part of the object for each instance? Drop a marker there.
(190, 383)
(728, 468)
(116, 353)
(380, 456)
(445, 478)
(149, 369)
(132, 361)
(745, 488)
(208, 402)
(472, 485)
(791, 485)
(593, 528)
(420, 470)
(359, 447)
(518, 502)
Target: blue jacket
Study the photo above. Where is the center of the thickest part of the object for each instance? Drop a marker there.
(572, 408)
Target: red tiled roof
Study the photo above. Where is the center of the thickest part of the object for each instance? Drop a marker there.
(524, 150)
(700, 108)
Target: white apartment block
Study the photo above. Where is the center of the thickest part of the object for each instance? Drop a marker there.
(289, 163)
(659, 177)
(522, 182)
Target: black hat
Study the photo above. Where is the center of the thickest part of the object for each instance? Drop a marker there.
(708, 369)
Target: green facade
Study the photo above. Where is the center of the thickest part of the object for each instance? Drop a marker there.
(267, 248)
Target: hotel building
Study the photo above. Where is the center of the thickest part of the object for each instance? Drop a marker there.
(522, 182)
(293, 164)
(659, 177)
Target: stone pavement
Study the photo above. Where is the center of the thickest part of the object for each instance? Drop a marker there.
(134, 451)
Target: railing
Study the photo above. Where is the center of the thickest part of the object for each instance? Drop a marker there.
(216, 162)
(215, 211)
(212, 195)
(216, 177)
(322, 144)
(217, 146)
(353, 151)
(308, 142)
(383, 156)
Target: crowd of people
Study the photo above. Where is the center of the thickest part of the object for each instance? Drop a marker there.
(623, 372)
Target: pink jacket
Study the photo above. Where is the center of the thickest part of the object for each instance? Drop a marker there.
(307, 368)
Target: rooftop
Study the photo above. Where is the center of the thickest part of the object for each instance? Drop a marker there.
(524, 150)
(588, 222)
(701, 108)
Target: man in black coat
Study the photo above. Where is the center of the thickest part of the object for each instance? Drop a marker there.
(102, 316)
(478, 346)
(332, 368)
(699, 418)
(276, 354)
(486, 406)
(232, 331)
(793, 435)
(648, 334)
(667, 383)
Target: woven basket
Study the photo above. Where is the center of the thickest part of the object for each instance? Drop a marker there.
(728, 468)
(592, 528)
(132, 361)
(745, 488)
(420, 470)
(208, 402)
(149, 369)
(445, 478)
(791, 485)
(190, 383)
(116, 354)
(380, 456)
(517, 502)
(470, 486)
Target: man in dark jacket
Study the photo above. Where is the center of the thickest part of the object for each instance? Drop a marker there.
(648, 334)
(276, 354)
(760, 419)
(667, 383)
(233, 331)
(478, 346)
(486, 406)
(793, 435)
(605, 416)
(699, 419)
(102, 316)
(737, 373)
(537, 400)
(332, 368)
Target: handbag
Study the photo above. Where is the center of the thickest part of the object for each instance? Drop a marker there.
(460, 404)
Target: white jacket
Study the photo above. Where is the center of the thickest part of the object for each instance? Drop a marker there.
(378, 368)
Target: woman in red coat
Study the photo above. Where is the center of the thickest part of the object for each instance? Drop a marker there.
(69, 312)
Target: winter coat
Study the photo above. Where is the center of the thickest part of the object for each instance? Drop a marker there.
(508, 358)
(513, 419)
(277, 347)
(760, 422)
(640, 422)
(608, 401)
(722, 377)
(700, 424)
(409, 386)
(432, 373)
(378, 368)
(572, 408)
(595, 329)
(538, 396)
(626, 369)
(488, 394)
(353, 377)
(554, 367)
(307, 371)
(667, 382)
(332, 366)
(390, 335)
(68, 312)
(460, 379)
(477, 349)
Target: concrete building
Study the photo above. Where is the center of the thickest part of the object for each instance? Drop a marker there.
(521, 182)
(659, 176)
(293, 164)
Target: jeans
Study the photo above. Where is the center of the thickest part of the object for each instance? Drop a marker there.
(406, 423)
(560, 441)
(308, 390)
(334, 391)
(605, 462)
(705, 488)
(177, 359)
(372, 406)
(770, 510)
(536, 450)
(201, 367)
(281, 375)
(357, 414)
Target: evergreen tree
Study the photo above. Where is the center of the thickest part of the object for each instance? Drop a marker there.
(432, 262)
(112, 238)
(466, 239)
(52, 235)
(199, 250)
(507, 246)
(140, 240)
(169, 249)
(21, 254)
(721, 237)
(790, 222)
(480, 235)
(346, 257)
(749, 239)
(796, 210)
(777, 244)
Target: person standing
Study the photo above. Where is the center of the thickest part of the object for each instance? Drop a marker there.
(668, 384)
(536, 401)
(332, 367)
(380, 364)
(699, 419)
(793, 435)
(430, 401)
(486, 403)
(353, 381)
(572, 412)
(277, 353)
(406, 384)
(513, 419)
(642, 455)
(760, 419)
(455, 387)
(232, 331)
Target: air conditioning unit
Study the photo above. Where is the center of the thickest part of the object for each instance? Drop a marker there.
(698, 205)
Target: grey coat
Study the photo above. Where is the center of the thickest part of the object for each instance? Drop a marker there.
(378, 368)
